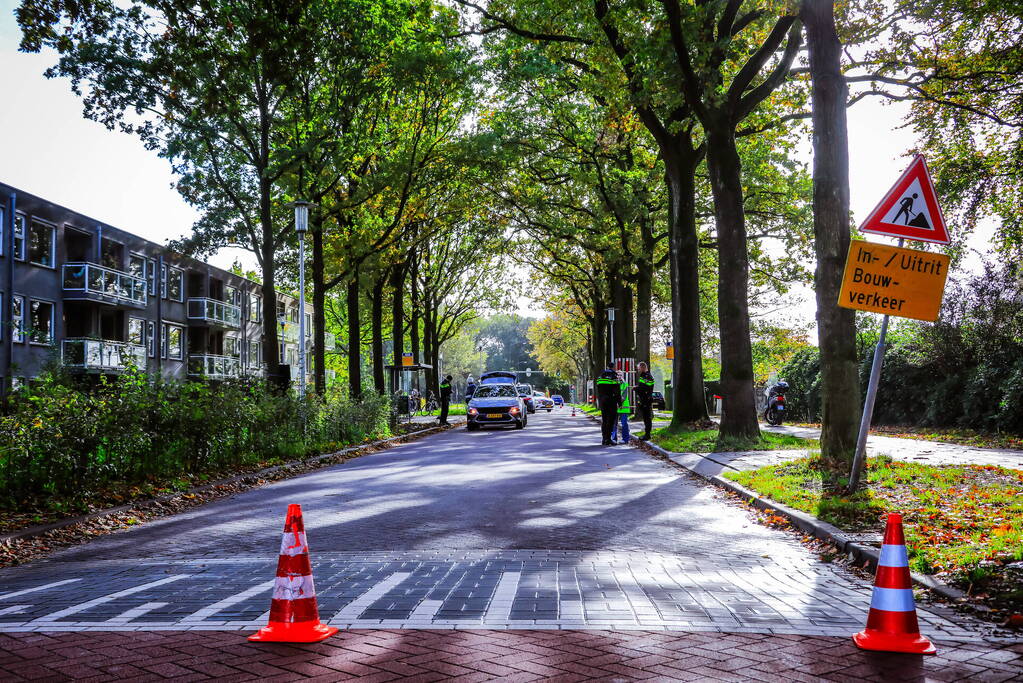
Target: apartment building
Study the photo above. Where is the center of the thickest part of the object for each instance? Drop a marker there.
(97, 299)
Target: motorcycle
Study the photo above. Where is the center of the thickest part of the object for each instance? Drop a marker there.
(774, 415)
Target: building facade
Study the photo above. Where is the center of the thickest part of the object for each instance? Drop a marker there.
(96, 299)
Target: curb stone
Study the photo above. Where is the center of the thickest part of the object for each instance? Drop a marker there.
(809, 524)
(34, 531)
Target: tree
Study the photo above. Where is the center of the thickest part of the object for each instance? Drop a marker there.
(206, 87)
(836, 326)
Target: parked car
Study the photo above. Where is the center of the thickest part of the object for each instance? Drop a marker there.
(497, 377)
(558, 401)
(497, 404)
(657, 400)
(541, 402)
(526, 393)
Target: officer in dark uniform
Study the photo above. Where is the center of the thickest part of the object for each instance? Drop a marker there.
(644, 398)
(609, 397)
(445, 399)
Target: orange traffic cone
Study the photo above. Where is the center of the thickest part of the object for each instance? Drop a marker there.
(294, 617)
(891, 623)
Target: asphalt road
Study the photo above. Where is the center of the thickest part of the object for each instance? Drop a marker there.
(540, 527)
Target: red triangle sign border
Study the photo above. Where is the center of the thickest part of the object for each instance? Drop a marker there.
(875, 223)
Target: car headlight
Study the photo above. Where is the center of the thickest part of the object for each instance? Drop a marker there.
(473, 411)
(514, 410)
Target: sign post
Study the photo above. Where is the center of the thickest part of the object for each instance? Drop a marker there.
(902, 282)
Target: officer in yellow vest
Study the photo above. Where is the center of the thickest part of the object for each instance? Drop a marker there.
(624, 411)
(609, 397)
(644, 398)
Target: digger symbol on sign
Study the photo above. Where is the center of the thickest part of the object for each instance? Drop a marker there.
(906, 208)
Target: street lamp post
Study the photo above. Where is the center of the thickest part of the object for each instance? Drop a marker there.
(301, 226)
(611, 325)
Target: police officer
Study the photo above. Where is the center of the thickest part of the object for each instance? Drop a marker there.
(470, 388)
(624, 411)
(644, 398)
(445, 399)
(609, 397)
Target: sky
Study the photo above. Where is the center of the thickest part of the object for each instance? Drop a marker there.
(48, 148)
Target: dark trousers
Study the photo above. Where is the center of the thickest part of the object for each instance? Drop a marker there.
(444, 410)
(608, 419)
(646, 413)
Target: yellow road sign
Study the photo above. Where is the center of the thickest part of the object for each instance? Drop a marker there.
(902, 282)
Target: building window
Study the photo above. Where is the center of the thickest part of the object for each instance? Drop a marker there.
(174, 286)
(151, 338)
(308, 325)
(19, 237)
(231, 347)
(292, 314)
(173, 341)
(3, 231)
(40, 244)
(255, 308)
(254, 356)
(137, 331)
(151, 276)
(231, 295)
(280, 311)
(40, 321)
(163, 281)
(18, 318)
(137, 265)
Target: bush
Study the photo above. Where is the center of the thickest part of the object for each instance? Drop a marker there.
(61, 440)
(965, 370)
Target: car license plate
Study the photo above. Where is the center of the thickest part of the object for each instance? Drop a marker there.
(494, 415)
(781, 407)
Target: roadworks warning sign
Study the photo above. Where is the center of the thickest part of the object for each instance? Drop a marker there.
(902, 282)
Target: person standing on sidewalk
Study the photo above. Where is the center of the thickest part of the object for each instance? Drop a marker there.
(445, 399)
(609, 397)
(624, 411)
(644, 398)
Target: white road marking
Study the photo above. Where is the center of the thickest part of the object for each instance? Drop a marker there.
(37, 588)
(81, 607)
(352, 611)
(426, 610)
(134, 612)
(14, 609)
(505, 593)
(200, 615)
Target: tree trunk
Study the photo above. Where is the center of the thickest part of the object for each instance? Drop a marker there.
(377, 324)
(354, 339)
(836, 326)
(397, 317)
(427, 359)
(319, 304)
(270, 337)
(739, 413)
(644, 293)
(688, 400)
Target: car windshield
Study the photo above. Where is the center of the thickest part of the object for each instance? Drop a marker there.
(495, 391)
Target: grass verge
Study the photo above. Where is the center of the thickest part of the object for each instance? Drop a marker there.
(963, 523)
(453, 409)
(711, 441)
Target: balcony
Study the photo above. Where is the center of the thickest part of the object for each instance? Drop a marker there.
(90, 282)
(100, 355)
(208, 366)
(214, 313)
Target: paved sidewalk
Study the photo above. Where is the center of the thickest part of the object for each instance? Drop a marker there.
(386, 655)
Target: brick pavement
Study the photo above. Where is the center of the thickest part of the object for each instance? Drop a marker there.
(385, 655)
